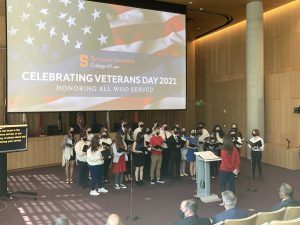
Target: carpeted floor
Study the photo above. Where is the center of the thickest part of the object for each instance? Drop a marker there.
(153, 204)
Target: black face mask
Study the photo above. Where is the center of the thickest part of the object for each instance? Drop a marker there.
(142, 125)
(104, 136)
(175, 132)
(157, 133)
(180, 213)
(148, 132)
(85, 139)
(165, 128)
(72, 132)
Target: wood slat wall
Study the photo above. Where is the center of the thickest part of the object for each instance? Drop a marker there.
(221, 65)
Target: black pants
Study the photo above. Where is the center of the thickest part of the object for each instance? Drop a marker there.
(83, 173)
(164, 171)
(175, 158)
(256, 160)
(147, 166)
(106, 168)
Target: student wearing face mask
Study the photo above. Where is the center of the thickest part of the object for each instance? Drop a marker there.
(174, 143)
(89, 134)
(202, 134)
(192, 145)
(83, 170)
(138, 129)
(183, 152)
(148, 134)
(156, 143)
(256, 144)
(69, 154)
(165, 134)
(188, 214)
(106, 142)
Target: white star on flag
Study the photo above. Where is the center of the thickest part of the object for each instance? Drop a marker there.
(29, 40)
(80, 5)
(29, 5)
(102, 39)
(25, 16)
(9, 8)
(78, 44)
(44, 11)
(62, 15)
(41, 25)
(96, 14)
(86, 29)
(66, 2)
(65, 38)
(13, 31)
(71, 21)
(52, 32)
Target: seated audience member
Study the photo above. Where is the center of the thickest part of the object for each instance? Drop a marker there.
(229, 200)
(188, 214)
(113, 219)
(61, 220)
(286, 194)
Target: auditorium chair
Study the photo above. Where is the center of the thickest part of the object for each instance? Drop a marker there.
(263, 217)
(245, 221)
(286, 222)
(292, 212)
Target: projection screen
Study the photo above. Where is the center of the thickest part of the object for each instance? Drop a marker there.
(75, 55)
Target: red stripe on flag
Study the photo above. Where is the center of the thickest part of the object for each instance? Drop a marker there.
(80, 121)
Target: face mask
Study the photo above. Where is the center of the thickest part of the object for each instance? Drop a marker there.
(175, 132)
(71, 132)
(85, 139)
(157, 133)
(148, 132)
(193, 134)
(104, 136)
(165, 128)
(142, 125)
(180, 213)
(89, 132)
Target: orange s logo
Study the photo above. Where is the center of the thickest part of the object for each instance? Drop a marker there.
(84, 61)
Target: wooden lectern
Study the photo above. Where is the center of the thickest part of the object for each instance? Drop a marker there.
(203, 160)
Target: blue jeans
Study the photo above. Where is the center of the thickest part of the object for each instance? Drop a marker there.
(97, 173)
(224, 177)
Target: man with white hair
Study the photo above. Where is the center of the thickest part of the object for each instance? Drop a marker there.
(229, 200)
(286, 194)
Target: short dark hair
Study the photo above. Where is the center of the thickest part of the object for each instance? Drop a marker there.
(228, 144)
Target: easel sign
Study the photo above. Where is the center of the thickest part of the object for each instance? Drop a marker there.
(13, 138)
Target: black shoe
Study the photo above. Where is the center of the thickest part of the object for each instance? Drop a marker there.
(142, 183)
(138, 183)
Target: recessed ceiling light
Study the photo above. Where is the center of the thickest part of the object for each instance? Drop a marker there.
(190, 3)
(198, 28)
(201, 9)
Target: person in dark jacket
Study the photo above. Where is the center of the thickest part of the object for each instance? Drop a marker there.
(188, 214)
(229, 202)
(286, 194)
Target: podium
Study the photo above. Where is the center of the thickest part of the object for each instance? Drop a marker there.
(203, 160)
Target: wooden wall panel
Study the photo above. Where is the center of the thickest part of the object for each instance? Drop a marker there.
(226, 89)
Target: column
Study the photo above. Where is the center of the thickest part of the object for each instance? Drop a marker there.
(255, 67)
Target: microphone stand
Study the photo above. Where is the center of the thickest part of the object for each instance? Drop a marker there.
(131, 217)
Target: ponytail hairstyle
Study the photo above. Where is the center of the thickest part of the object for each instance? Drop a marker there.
(228, 144)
